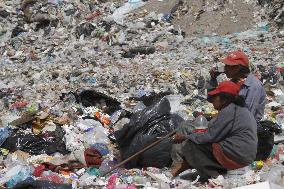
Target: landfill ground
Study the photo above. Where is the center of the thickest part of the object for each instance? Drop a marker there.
(74, 73)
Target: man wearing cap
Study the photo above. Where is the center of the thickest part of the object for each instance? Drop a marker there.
(237, 69)
(229, 143)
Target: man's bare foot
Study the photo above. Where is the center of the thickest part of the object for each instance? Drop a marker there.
(179, 168)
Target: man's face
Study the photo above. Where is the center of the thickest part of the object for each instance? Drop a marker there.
(232, 71)
(217, 102)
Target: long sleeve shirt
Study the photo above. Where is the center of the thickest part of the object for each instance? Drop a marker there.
(235, 130)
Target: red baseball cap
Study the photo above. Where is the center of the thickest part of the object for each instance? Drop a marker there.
(225, 87)
(236, 58)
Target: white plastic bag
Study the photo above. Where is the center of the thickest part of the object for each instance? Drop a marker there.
(96, 135)
(119, 13)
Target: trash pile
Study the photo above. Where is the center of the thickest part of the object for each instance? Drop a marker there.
(275, 11)
(86, 84)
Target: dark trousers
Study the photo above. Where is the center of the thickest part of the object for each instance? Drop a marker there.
(199, 157)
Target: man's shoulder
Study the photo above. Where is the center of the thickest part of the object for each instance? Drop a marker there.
(227, 111)
(253, 81)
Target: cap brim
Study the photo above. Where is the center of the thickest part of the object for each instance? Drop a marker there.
(213, 92)
(233, 62)
(229, 62)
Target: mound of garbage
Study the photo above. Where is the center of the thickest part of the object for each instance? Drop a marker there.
(86, 84)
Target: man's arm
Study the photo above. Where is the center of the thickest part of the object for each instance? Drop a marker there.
(217, 130)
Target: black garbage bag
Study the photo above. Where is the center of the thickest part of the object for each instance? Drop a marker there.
(16, 31)
(85, 29)
(182, 89)
(4, 13)
(152, 98)
(93, 98)
(176, 32)
(269, 76)
(40, 184)
(265, 134)
(47, 143)
(138, 50)
(143, 129)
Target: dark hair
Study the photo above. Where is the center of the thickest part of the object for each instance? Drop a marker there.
(244, 70)
(238, 100)
(229, 98)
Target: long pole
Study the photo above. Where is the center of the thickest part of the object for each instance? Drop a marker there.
(140, 152)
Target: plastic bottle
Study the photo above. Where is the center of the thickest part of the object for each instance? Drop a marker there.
(201, 122)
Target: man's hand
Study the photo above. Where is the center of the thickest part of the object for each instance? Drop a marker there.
(178, 138)
(214, 73)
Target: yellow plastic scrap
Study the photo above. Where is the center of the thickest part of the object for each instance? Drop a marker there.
(185, 73)
(4, 151)
(188, 111)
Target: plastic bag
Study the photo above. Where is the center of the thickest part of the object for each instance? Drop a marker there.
(152, 98)
(85, 29)
(175, 101)
(138, 50)
(280, 120)
(274, 175)
(52, 177)
(100, 100)
(143, 129)
(265, 133)
(96, 135)
(55, 2)
(119, 13)
(139, 106)
(48, 143)
(16, 175)
(40, 184)
(87, 124)
(106, 165)
(4, 134)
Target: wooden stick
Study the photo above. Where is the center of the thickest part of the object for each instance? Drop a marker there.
(140, 152)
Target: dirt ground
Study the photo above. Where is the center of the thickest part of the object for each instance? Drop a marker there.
(204, 17)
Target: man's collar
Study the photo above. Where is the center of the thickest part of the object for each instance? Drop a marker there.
(249, 81)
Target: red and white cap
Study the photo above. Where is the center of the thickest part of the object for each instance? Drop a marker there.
(226, 87)
(236, 58)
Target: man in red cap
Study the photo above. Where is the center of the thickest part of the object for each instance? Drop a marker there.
(229, 143)
(251, 88)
